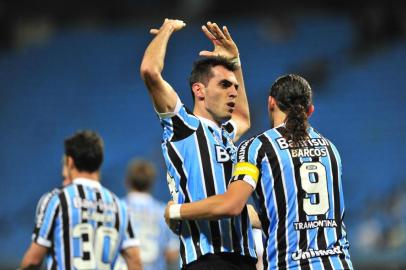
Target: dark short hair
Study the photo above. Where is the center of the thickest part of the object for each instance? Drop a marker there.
(86, 149)
(140, 175)
(293, 96)
(202, 69)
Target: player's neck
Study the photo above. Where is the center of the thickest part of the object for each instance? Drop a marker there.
(205, 114)
(95, 176)
(278, 117)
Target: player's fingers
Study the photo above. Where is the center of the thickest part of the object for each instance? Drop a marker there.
(182, 23)
(153, 31)
(226, 33)
(217, 32)
(208, 34)
(212, 27)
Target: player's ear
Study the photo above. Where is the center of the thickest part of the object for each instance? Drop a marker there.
(198, 90)
(310, 111)
(271, 103)
(69, 162)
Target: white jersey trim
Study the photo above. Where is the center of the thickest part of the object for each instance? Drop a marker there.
(87, 182)
(43, 242)
(130, 243)
(165, 115)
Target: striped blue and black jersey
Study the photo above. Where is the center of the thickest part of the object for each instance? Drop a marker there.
(40, 209)
(84, 225)
(199, 159)
(299, 196)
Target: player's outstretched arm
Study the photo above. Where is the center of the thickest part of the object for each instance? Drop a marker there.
(163, 95)
(225, 46)
(215, 207)
(33, 257)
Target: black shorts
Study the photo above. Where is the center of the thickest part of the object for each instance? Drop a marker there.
(223, 261)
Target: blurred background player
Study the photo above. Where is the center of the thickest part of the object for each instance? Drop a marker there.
(159, 247)
(295, 175)
(198, 146)
(85, 225)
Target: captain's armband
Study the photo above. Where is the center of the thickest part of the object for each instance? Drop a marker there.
(246, 168)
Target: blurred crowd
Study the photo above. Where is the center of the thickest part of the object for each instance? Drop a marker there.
(382, 227)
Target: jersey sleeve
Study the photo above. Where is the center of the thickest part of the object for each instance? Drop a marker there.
(47, 211)
(247, 168)
(179, 124)
(40, 211)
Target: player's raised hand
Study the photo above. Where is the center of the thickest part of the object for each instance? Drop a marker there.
(175, 25)
(222, 41)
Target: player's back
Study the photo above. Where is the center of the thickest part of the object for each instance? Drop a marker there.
(301, 202)
(88, 224)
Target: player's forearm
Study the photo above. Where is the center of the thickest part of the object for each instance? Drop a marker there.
(241, 113)
(153, 61)
(30, 263)
(33, 257)
(134, 265)
(215, 207)
(132, 258)
(30, 267)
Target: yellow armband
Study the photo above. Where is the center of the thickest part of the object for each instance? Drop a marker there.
(246, 168)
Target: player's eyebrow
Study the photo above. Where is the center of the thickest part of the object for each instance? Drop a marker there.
(226, 83)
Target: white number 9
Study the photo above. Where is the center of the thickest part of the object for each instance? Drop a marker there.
(310, 187)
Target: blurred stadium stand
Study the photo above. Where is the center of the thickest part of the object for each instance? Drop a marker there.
(73, 66)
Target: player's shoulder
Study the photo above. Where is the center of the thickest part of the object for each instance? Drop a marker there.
(46, 197)
(180, 124)
(319, 135)
(49, 194)
(180, 111)
(113, 195)
(249, 147)
(253, 140)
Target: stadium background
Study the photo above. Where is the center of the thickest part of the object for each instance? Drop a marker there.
(69, 65)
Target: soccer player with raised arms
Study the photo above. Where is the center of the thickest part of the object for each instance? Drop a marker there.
(295, 175)
(198, 146)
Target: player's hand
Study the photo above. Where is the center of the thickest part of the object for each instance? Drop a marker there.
(174, 25)
(174, 225)
(222, 41)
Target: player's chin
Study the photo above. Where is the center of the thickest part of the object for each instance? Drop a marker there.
(227, 116)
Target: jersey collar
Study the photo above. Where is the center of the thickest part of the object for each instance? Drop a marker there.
(87, 182)
(210, 123)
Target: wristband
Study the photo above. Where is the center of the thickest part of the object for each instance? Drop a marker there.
(174, 211)
(236, 61)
